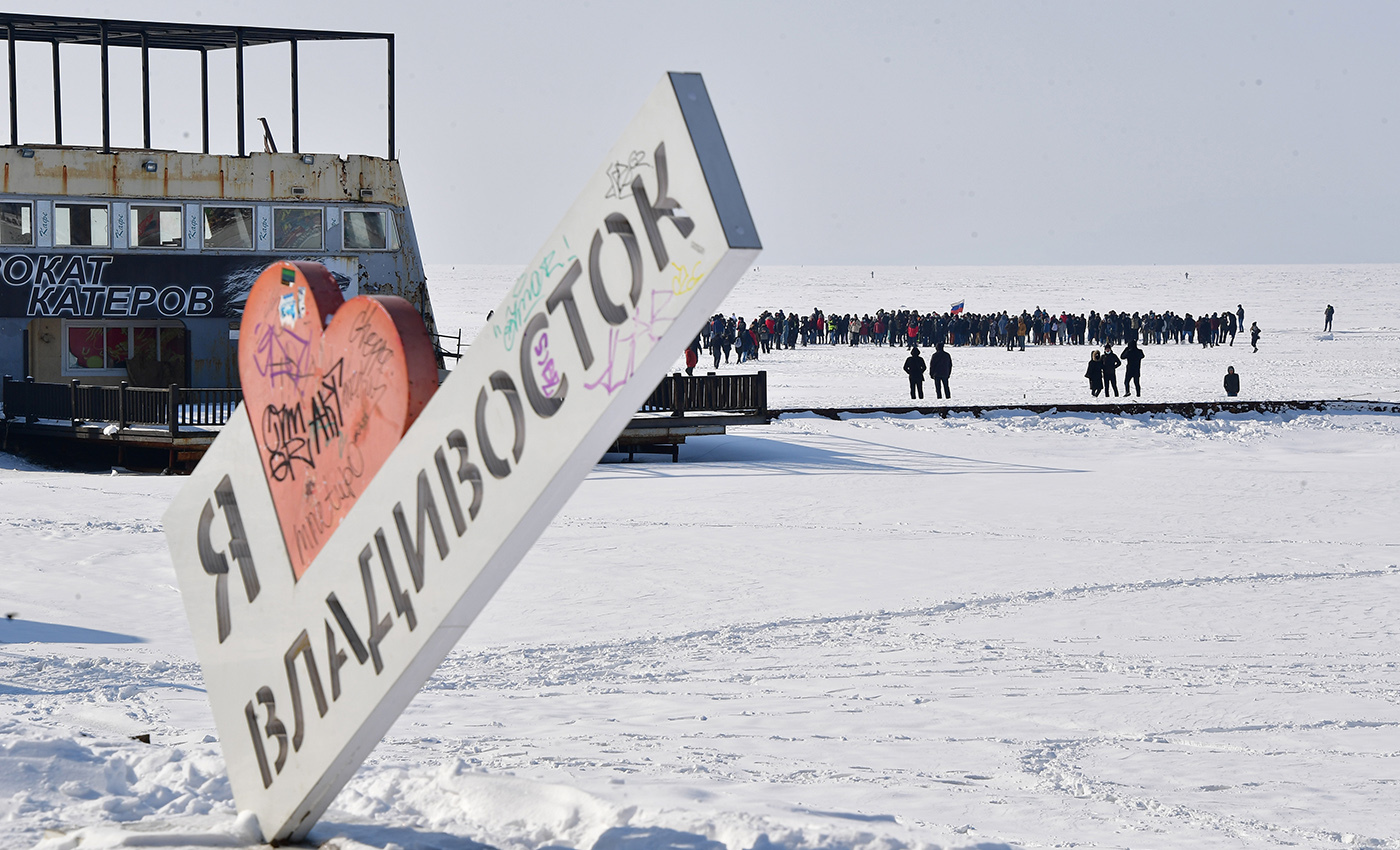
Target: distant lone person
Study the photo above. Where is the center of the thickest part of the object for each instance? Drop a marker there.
(914, 366)
(1132, 371)
(1232, 382)
(940, 366)
(1327, 316)
(1254, 336)
(1095, 374)
(1109, 363)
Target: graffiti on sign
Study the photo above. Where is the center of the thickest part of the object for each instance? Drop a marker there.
(338, 383)
(686, 278)
(621, 175)
(526, 293)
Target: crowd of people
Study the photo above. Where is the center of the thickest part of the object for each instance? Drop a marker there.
(908, 328)
(748, 340)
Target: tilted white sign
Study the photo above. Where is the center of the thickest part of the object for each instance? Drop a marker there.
(311, 673)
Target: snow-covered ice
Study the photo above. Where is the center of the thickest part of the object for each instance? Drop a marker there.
(882, 632)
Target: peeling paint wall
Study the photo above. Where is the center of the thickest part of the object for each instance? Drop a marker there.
(51, 173)
(87, 172)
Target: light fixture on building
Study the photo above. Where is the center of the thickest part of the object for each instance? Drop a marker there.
(27, 153)
(366, 194)
(308, 159)
(150, 165)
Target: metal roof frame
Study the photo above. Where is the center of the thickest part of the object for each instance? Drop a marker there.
(148, 35)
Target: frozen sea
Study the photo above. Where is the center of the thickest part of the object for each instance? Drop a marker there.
(885, 632)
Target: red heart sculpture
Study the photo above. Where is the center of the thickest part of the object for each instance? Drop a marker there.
(330, 387)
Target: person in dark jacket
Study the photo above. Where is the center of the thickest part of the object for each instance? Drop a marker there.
(1254, 336)
(1232, 382)
(914, 366)
(940, 366)
(1109, 363)
(1095, 374)
(717, 338)
(1327, 318)
(1132, 371)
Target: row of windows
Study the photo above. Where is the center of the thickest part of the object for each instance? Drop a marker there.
(105, 348)
(88, 225)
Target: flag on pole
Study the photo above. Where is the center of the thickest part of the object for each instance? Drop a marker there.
(957, 308)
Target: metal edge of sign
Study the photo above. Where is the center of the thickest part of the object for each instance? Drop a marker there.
(713, 153)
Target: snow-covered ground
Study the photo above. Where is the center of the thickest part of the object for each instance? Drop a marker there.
(885, 632)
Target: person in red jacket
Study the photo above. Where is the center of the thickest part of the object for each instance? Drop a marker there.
(692, 356)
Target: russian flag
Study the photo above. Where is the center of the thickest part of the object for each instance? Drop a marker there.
(957, 308)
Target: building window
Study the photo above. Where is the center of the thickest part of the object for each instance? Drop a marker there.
(228, 227)
(156, 227)
(297, 229)
(80, 225)
(369, 230)
(16, 223)
(150, 354)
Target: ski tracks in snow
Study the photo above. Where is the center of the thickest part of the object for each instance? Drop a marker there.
(889, 705)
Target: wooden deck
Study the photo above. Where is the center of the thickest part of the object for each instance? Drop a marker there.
(171, 428)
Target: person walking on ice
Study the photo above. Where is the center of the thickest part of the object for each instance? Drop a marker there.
(1327, 318)
(1254, 335)
(940, 366)
(1232, 382)
(914, 367)
(1132, 372)
(1109, 363)
(1095, 374)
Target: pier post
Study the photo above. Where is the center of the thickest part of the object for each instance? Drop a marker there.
(678, 394)
(173, 412)
(57, 99)
(106, 94)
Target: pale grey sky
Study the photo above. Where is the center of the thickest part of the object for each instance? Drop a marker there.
(864, 133)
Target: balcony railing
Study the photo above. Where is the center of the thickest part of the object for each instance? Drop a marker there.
(175, 407)
(681, 394)
(170, 408)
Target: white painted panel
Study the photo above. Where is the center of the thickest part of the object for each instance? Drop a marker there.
(312, 673)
